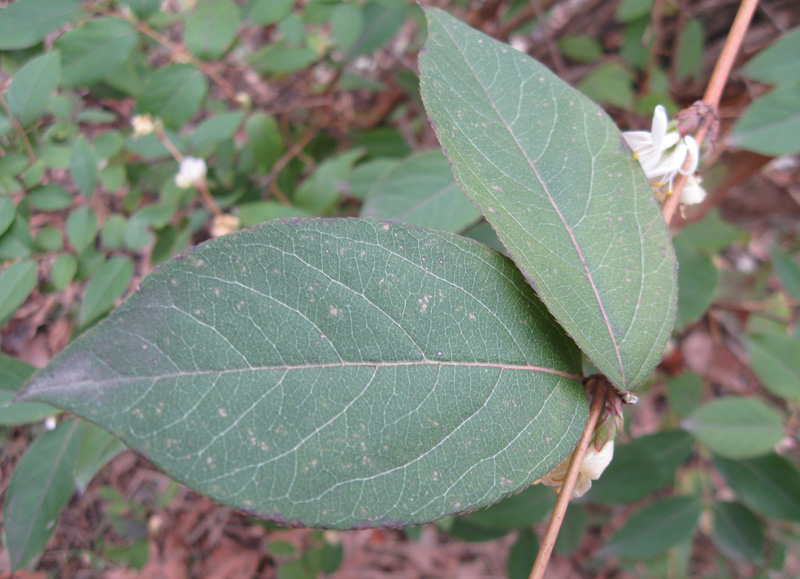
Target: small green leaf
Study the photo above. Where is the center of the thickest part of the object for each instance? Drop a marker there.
(49, 239)
(610, 84)
(691, 47)
(522, 555)
(641, 467)
(280, 59)
(581, 48)
(323, 188)
(173, 94)
(775, 359)
(16, 242)
(551, 172)
(712, 233)
(112, 234)
(211, 28)
(266, 12)
(684, 393)
(788, 272)
(292, 342)
(13, 374)
(49, 198)
(84, 167)
(264, 141)
(738, 533)
(769, 484)
(26, 22)
(81, 228)
(98, 448)
(654, 528)
(63, 271)
(17, 281)
(697, 282)
(778, 63)
(39, 489)
(771, 124)
(382, 20)
(215, 130)
(421, 191)
(365, 175)
(735, 427)
(94, 49)
(105, 288)
(144, 9)
(629, 10)
(32, 87)
(8, 210)
(347, 23)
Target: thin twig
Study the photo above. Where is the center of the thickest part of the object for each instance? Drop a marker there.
(19, 129)
(294, 151)
(565, 494)
(202, 186)
(713, 94)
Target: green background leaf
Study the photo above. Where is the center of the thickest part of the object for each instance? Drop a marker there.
(361, 376)
(94, 49)
(769, 484)
(13, 374)
(735, 427)
(738, 532)
(211, 28)
(654, 529)
(16, 283)
(778, 63)
(105, 288)
(173, 94)
(771, 124)
(421, 191)
(775, 359)
(27, 22)
(550, 171)
(40, 487)
(32, 87)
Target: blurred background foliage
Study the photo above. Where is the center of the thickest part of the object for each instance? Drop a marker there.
(312, 108)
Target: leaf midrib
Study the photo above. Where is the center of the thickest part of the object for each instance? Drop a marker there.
(553, 203)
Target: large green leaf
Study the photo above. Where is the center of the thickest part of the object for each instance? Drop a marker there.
(27, 22)
(421, 191)
(211, 28)
(551, 173)
(339, 373)
(32, 87)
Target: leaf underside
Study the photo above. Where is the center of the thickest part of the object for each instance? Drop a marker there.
(551, 173)
(340, 373)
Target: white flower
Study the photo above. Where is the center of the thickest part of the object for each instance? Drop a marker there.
(192, 172)
(594, 463)
(50, 423)
(692, 193)
(662, 153)
(224, 224)
(142, 125)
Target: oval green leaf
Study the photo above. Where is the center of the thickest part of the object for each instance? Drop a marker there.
(16, 283)
(105, 288)
(338, 373)
(654, 529)
(40, 487)
(735, 427)
(738, 532)
(211, 28)
(94, 49)
(421, 191)
(771, 124)
(173, 94)
(550, 171)
(769, 484)
(32, 87)
(775, 358)
(27, 22)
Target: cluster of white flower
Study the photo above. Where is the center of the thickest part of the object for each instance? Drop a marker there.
(662, 152)
(593, 465)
